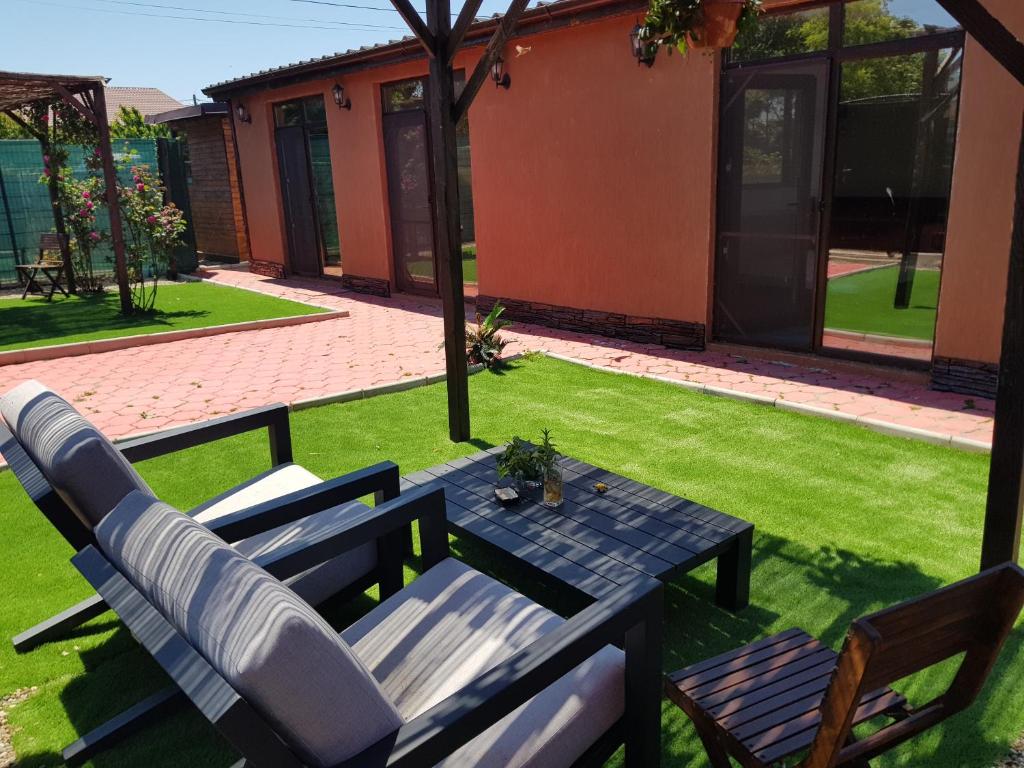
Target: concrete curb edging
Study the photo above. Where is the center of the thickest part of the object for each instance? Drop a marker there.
(876, 425)
(77, 349)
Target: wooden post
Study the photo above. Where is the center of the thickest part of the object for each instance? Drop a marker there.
(58, 219)
(113, 208)
(1001, 540)
(445, 202)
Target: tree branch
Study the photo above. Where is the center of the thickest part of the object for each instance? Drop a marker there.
(491, 53)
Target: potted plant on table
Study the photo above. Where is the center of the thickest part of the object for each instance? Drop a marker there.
(683, 24)
(519, 462)
(551, 471)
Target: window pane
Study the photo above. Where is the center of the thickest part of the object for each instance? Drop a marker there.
(288, 113)
(408, 94)
(876, 21)
(782, 34)
(314, 108)
(894, 161)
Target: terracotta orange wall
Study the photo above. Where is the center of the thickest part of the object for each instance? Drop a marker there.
(593, 177)
(981, 204)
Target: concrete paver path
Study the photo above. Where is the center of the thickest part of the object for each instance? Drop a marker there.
(385, 341)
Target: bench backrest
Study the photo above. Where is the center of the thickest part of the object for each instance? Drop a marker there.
(972, 617)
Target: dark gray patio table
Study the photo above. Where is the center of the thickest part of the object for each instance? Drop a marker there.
(594, 541)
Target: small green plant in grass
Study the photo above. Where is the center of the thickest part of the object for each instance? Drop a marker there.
(484, 343)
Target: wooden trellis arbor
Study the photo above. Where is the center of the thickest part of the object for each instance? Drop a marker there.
(86, 95)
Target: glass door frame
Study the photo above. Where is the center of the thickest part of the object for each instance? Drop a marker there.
(837, 54)
(304, 123)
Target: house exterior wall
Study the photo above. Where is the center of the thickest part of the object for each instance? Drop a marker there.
(213, 191)
(973, 291)
(594, 188)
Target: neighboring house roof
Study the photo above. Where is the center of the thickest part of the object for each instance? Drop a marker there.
(149, 101)
(560, 11)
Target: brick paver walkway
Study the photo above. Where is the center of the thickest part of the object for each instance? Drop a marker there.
(386, 341)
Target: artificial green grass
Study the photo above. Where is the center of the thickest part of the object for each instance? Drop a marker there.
(863, 302)
(36, 322)
(848, 521)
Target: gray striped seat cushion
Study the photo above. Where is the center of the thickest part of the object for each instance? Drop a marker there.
(272, 647)
(82, 465)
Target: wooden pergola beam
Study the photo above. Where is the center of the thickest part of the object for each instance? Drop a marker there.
(441, 41)
(419, 28)
(491, 54)
(461, 27)
(1001, 44)
(99, 98)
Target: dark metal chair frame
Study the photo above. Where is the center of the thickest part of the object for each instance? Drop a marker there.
(381, 479)
(972, 617)
(631, 617)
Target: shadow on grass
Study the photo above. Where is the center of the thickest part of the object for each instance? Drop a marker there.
(62, 321)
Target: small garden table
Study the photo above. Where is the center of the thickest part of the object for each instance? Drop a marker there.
(595, 541)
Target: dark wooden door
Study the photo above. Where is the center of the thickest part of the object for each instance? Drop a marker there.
(769, 203)
(412, 223)
(300, 220)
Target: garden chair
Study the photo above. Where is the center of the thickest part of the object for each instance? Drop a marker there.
(788, 694)
(76, 476)
(455, 669)
(52, 267)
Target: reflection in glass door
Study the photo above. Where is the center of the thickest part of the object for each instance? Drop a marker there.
(770, 170)
(896, 129)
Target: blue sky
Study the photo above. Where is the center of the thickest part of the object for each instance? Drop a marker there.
(181, 55)
(182, 45)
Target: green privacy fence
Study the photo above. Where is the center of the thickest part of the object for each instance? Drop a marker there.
(25, 211)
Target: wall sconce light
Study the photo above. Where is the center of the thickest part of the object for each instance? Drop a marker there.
(499, 76)
(243, 113)
(643, 51)
(343, 102)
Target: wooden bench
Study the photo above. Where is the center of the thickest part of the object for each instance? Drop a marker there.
(789, 694)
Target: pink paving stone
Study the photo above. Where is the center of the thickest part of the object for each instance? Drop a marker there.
(196, 379)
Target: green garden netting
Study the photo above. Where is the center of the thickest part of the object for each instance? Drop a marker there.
(25, 211)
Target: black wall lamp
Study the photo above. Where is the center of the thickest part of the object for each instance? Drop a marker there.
(644, 51)
(342, 101)
(499, 75)
(243, 113)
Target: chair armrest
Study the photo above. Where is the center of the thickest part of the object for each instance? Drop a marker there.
(273, 417)
(425, 503)
(380, 479)
(427, 739)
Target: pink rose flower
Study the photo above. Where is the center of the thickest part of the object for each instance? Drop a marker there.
(151, 219)
(94, 236)
(140, 187)
(46, 172)
(46, 159)
(86, 195)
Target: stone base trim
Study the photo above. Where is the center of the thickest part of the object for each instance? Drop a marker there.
(677, 334)
(374, 286)
(267, 268)
(965, 377)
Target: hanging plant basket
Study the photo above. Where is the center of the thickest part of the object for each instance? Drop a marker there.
(685, 24)
(721, 23)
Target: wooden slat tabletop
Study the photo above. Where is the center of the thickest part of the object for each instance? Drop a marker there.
(593, 541)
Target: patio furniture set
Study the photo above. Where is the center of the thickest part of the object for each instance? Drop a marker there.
(456, 668)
